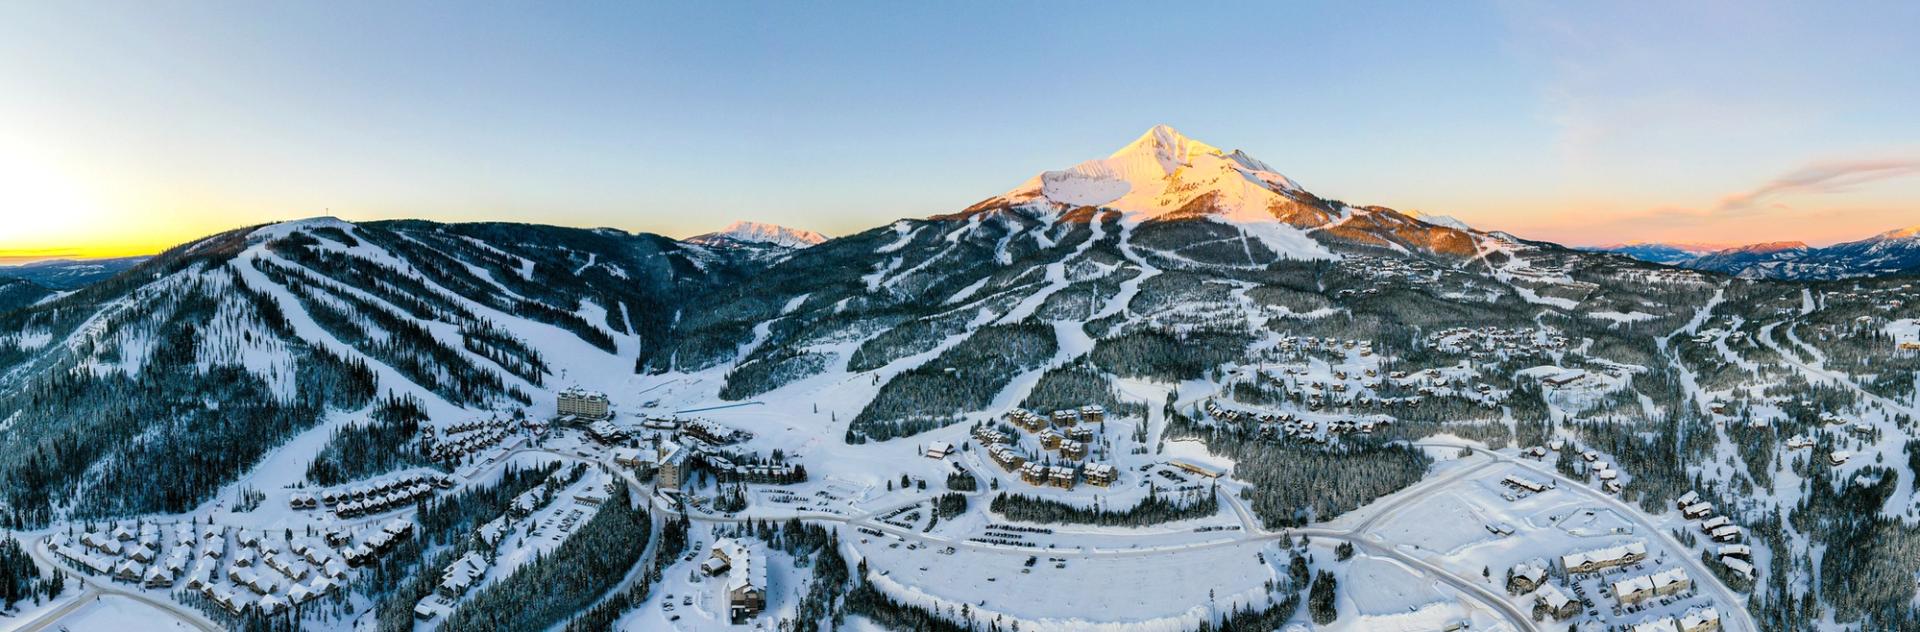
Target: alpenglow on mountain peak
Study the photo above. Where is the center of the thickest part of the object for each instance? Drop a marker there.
(763, 233)
(1160, 172)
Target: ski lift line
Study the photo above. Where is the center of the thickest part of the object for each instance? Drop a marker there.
(656, 386)
(723, 407)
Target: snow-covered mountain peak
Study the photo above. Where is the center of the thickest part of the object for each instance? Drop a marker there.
(282, 229)
(1771, 247)
(762, 233)
(1160, 172)
(1910, 232)
(1166, 146)
(1447, 221)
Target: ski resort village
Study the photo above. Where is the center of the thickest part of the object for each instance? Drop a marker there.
(1168, 390)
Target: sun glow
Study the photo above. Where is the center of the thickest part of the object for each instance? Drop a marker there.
(43, 205)
(56, 209)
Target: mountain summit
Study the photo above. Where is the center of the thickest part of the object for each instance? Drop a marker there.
(1165, 177)
(1161, 172)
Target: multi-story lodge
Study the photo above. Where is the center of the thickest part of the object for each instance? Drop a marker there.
(1027, 419)
(1101, 474)
(582, 403)
(1066, 418)
(1008, 458)
(1033, 473)
(1600, 559)
(673, 468)
(1634, 590)
(988, 436)
(1061, 477)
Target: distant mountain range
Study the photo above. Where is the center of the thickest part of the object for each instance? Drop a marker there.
(1667, 253)
(1891, 252)
(760, 233)
(70, 274)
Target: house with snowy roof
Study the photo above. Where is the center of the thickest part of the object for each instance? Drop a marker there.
(745, 567)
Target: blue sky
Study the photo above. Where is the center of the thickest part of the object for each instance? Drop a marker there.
(125, 125)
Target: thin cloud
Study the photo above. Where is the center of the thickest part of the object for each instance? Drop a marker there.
(1818, 178)
(17, 256)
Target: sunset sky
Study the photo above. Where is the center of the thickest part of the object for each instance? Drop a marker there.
(126, 128)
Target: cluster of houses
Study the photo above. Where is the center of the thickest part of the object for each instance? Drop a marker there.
(1700, 619)
(1065, 432)
(455, 580)
(1737, 558)
(375, 496)
(380, 542)
(726, 470)
(1072, 444)
(1479, 342)
(129, 555)
(1720, 528)
(671, 465)
(258, 575)
(1286, 425)
(1290, 344)
(1590, 464)
(1033, 473)
(460, 440)
(1064, 418)
(1407, 268)
(1552, 600)
(744, 563)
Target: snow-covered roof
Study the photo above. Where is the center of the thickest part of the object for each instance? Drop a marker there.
(1609, 554)
(1656, 624)
(1697, 616)
(1552, 596)
(746, 566)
